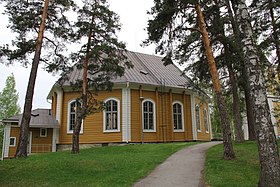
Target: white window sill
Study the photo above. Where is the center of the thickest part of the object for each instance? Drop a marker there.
(207, 132)
(71, 132)
(146, 130)
(110, 131)
(179, 130)
(198, 130)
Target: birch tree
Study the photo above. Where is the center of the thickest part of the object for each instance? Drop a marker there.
(267, 144)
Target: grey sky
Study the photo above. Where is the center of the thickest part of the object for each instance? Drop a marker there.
(134, 20)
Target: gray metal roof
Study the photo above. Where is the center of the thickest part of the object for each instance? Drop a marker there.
(148, 69)
(39, 118)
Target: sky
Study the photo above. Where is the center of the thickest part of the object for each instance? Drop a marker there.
(133, 17)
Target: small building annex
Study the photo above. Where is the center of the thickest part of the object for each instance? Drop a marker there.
(150, 103)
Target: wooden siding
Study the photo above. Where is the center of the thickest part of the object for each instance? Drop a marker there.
(38, 145)
(14, 133)
(41, 144)
(93, 124)
(276, 106)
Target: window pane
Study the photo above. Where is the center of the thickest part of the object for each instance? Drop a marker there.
(12, 141)
(150, 107)
(145, 107)
(145, 121)
(197, 114)
(151, 121)
(180, 122)
(115, 106)
(179, 109)
(111, 112)
(206, 120)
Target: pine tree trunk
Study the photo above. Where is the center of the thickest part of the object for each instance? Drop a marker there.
(250, 114)
(267, 145)
(81, 116)
(249, 109)
(236, 106)
(26, 116)
(228, 148)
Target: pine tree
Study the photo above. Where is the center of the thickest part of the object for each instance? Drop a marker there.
(173, 29)
(29, 20)
(101, 58)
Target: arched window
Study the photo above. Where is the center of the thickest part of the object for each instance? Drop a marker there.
(148, 116)
(112, 115)
(197, 118)
(178, 116)
(72, 114)
(206, 124)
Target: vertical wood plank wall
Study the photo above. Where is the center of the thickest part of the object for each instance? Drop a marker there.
(93, 124)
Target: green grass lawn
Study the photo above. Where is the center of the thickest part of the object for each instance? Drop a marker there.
(103, 166)
(243, 171)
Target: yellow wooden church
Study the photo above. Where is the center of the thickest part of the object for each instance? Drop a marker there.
(150, 103)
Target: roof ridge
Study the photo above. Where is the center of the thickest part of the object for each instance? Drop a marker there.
(151, 73)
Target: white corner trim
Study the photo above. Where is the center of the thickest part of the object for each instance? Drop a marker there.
(6, 141)
(126, 115)
(104, 116)
(58, 105)
(273, 119)
(193, 117)
(182, 114)
(154, 115)
(55, 139)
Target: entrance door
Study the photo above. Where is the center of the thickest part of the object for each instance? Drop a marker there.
(29, 143)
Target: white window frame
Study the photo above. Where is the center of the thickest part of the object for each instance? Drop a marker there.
(154, 116)
(182, 115)
(206, 119)
(46, 130)
(119, 117)
(199, 115)
(15, 141)
(68, 119)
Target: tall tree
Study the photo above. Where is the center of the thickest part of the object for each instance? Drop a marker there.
(8, 102)
(9, 99)
(228, 58)
(228, 148)
(244, 84)
(173, 21)
(101, 57)
(26, 116)
(266, 15)
(267, 144)
(28, 20)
